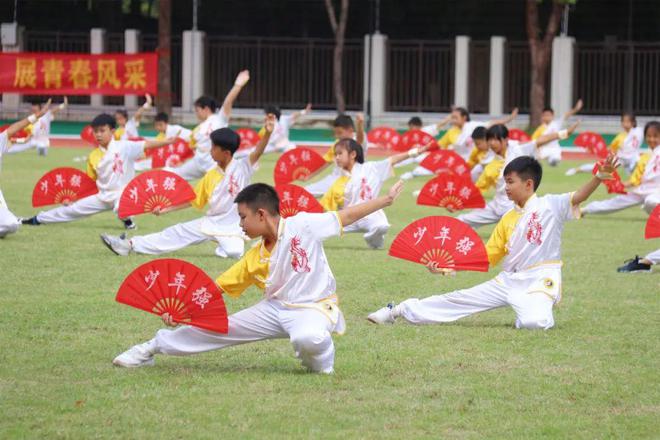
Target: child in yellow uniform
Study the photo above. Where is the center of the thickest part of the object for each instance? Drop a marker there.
(127, 128)
(218, 189)
(552, 150)
(527, 240)
(290, 265)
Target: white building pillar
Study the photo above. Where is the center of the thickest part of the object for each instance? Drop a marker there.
(376, 82)
(11, 102)
(96, 46)
(496, 84)
(192, 78)
(131, 45)
(561, 84)
(462, 71)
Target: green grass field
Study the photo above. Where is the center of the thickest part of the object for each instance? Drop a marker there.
(595, 375)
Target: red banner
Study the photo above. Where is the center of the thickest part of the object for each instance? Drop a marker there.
(49, 73)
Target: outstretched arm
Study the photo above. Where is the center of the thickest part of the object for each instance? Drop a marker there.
(506, 120)
(241, 79)
(19, 125)
(155, 144)
(561, 134)
(359, 126)
(354, 213)
(605, 171)
(447, 119)
(303, 112)
(576, 108)
(413, 152)
(61, 106)
(146, 106)
(269, 126)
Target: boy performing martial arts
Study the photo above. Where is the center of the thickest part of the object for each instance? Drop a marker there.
(290, 265)
(552, 150)
(40, 129)
(114, 170)
(218, 189)
(528, 241)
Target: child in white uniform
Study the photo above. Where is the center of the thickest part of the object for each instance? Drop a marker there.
(114, 171)
(505, 151)
(552, 150)
(644, 185)
(299, 288)
(39, 130)
(359, 182)
(211, 118)
(218, 188)
(165, 131)
(528, 240)
(8, 221)
(127, 128)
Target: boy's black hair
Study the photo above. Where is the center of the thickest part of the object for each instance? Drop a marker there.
(352, 145)
(206, 102)
(497, 131)
(271, 109)
(162, 117)
(479, 133)
(343, 121)
(122, 112)
(652, 124)
(226, 138)
(260, 196)
(415, 120)
(548, 109)
(104, 119)
(526, 167)
(463, 112)
(631, 116)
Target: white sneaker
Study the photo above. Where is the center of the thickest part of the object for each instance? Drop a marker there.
(383, 316)
(120, 245)
(376, 238)
(407, 176)
(141, 355)
(571, 172)
(416, 193)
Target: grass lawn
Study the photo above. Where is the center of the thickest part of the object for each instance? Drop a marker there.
(595, 375)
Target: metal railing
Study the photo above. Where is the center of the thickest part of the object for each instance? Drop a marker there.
(284, 72)
(613, 77)
(150, 44)
(518, 76)
(420, 75)
(479, 80)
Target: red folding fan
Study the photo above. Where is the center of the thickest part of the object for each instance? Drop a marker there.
(451, 191)
(297, 164)
(62, 185)
(652, 229)
(615, 185)
(19, 137)
(154, 189)
(517, 134)
(384, 137)
(178, 288)
(414, 139)
(442, 243)
(170, 155)
(87, 135)
(295, 199)
(442, 161)
(249, 138)
(592, 142)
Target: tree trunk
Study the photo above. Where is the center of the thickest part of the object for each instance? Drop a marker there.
(164, 98)
(540, 48)
(339, 28)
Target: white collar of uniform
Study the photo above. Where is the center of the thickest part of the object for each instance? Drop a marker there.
(356, 167)
(528, 204)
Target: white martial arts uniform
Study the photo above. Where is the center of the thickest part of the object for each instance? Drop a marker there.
(299, 303)
(200, 139)
(654, 257)
(317, 189)
(171, 131)
(552, 150)
(647, 193)
(529, 240)
(130, 130)
(500, 204)
(430, 130)
(8, 221)
(39, 136)
(279, 140)
(114, 171)
(221, 222)
(364, 183)
(628, 152)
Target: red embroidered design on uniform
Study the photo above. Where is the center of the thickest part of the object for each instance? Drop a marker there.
(232, 186)
(535, 229)
(299, 259)
(117, 165)
(365, 190)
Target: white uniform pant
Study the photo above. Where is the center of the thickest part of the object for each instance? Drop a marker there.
(186, 234)
(8, 221)
(622, 201)
(84, 207)
(317, 189)
(194, 168)
(551, 152)
(41, 146)
(308, 330)
(531, 294)
(654, 257)
(488, 215)
(375, 227)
